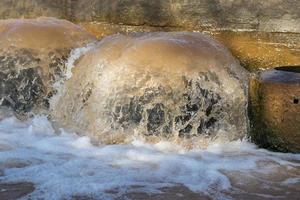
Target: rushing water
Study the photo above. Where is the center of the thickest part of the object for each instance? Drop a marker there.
(180, 86)
(65, 166)
(40, 162)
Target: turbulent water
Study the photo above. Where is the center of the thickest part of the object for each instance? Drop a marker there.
(181, 86)
(200, 93)
(66, 166)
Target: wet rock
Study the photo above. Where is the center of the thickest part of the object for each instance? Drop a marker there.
(32, 57)
(156, 118)
(5, 147)
(12, 191)
(170, 85)
(14, 163)
(275, 108)
(179, 192)
(22, 90)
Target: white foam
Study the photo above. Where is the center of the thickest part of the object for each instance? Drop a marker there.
(63, 165)
(75, 54)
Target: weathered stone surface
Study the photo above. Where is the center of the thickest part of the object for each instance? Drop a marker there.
(252, 30)
(269, 16)
(262, 50)
(103, 29)
(13, 191)
(33, 8)
(166, 85)
(275, 113)
(32, 56)
(255, 50)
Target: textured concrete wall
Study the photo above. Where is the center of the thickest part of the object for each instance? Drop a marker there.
(34, 8)
(267, 15)
(260, 33)
(254, 49)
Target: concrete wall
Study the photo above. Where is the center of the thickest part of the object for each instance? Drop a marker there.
(260, 33)
(33, 8)
(260, 15)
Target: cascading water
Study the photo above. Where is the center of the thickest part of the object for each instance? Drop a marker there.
(159, 88)
(182, 87)
(33, 53)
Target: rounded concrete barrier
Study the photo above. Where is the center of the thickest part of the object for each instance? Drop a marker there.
(174, 86)
(33, 56)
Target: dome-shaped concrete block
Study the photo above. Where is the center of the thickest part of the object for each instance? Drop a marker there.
(176, 86)
(33, 55)
(275, 109)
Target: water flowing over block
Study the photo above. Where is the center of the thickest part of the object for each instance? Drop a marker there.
(176, 85)
(33, 54)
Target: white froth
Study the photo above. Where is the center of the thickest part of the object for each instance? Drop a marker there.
(66, 165)
(75, 54)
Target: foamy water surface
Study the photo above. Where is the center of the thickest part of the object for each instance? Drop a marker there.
(62, 166)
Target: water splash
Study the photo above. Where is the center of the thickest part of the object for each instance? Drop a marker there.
(58, 85)
(65, 166)
(75, 55)
(179, 86)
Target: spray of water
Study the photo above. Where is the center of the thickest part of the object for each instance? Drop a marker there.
(67, 165)
(184, 87)
(67, 73)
